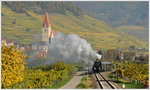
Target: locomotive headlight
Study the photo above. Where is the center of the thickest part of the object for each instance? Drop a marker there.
(94, 68)
(99, 68)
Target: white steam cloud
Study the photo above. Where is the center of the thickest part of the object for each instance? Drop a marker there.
(70, 48)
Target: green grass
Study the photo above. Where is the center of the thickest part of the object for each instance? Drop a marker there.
(99, 34)
(128, 85)
(83, 83)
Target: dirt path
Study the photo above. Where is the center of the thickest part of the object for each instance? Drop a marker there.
(74, 81)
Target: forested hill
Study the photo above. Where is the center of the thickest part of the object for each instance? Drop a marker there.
(42, 7)
(118, 13)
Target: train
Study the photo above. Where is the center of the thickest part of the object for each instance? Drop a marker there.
(100, 66)
(97, 66)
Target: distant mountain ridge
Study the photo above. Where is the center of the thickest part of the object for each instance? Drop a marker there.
(118, 13)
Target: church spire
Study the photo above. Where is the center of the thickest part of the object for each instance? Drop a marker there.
(46, 21)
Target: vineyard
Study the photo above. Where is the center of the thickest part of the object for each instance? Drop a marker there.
(131, 73)
(45, 76)
(16, 75)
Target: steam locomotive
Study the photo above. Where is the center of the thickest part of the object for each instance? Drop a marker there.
(100, 66)
(97, 66)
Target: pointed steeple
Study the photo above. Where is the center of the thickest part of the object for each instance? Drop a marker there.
(46, 21)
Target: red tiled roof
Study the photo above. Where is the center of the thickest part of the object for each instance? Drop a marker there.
(137, 60)
(96, 50)
(52, 32)
(27, 48)
(46, 21)
(40, 54)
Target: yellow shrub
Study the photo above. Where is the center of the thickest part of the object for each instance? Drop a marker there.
(12, 65)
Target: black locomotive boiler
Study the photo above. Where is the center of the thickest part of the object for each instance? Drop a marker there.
(97, 66)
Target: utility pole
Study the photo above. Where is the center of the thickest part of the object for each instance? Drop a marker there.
(87, 73)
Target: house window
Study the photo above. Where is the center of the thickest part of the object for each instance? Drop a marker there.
(45, 30)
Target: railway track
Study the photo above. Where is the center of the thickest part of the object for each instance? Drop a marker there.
(99, 83)
(103, 82)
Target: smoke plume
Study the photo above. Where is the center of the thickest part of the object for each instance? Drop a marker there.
(70, 48)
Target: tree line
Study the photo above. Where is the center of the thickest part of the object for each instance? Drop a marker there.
(115, 55)
(41, 7)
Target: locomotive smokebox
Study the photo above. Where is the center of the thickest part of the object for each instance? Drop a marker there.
(97, 66)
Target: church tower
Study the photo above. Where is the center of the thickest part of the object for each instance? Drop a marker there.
(46, 29)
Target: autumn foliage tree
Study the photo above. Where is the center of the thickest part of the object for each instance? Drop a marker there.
(111, 54)
(137, 72)
(12, 65)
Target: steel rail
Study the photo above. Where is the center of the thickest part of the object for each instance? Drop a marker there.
(98, 81)
(107, 81)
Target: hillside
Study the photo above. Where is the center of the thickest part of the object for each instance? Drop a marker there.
(26, 28)
(118, 13)
(42, 7)
(137, 31)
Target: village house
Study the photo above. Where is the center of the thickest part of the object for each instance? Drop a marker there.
(40, 54)
(7, 42)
